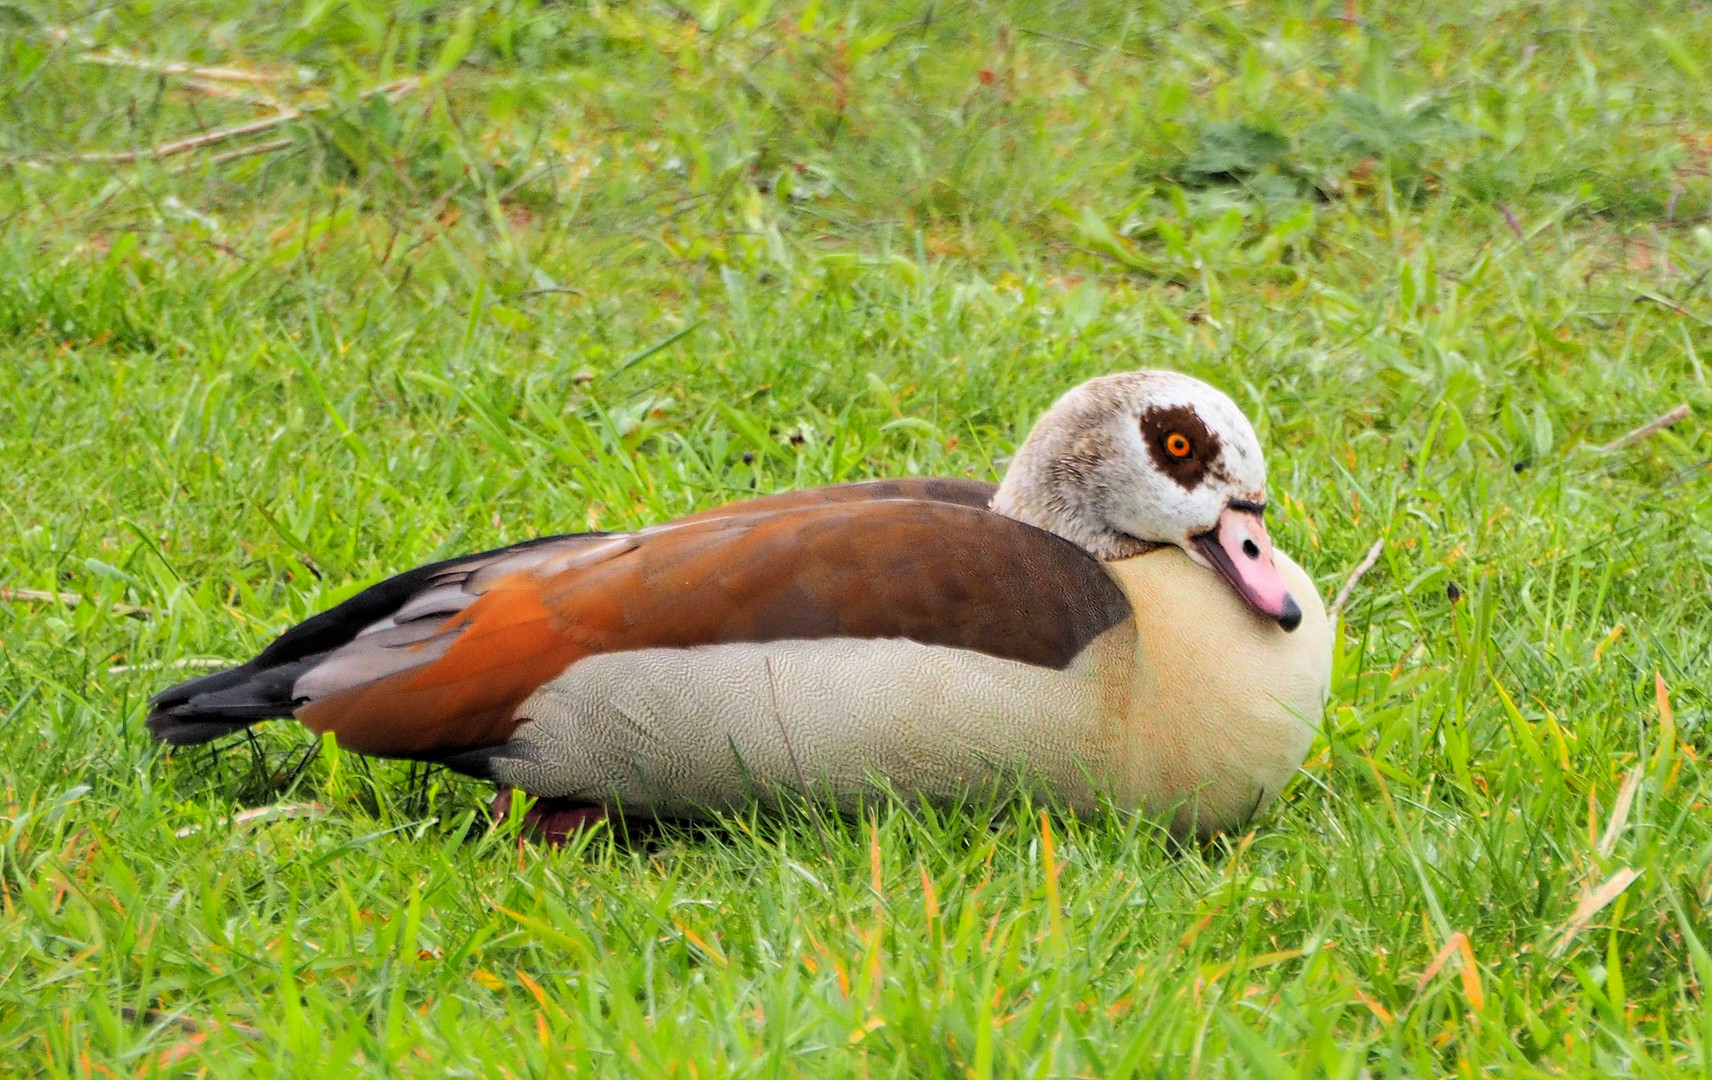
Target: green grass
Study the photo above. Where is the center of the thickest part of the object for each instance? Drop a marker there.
(602, 264)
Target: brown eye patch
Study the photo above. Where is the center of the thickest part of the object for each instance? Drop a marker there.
(1180, 443)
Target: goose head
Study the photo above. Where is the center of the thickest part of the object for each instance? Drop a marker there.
(1126, 463)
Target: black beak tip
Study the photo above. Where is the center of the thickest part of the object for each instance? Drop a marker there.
(1291, 617)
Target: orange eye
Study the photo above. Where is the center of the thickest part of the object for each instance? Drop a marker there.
(1177, 444)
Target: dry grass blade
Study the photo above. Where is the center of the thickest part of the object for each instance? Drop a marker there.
(193, 142)
(70, 600)
(209, 663)
(392, 91)
(260, 813)
(1620, 813)
(189, 71)
(1355, 577)
(1592, 904)
(1651, 427)
(230, 93)
(115, 57)
(253, 150)
(1468, 971)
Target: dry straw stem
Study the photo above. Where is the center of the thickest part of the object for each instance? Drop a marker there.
(204, 662)
(248, 151)
(1651, 427)
(392, 91)
(261, 813)
(1355, 577)
(231, 93)
(115, 57)
(70, 600)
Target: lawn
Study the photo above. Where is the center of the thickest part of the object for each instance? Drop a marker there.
(296, 295)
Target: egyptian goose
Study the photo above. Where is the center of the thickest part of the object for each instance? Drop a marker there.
(1111, 621)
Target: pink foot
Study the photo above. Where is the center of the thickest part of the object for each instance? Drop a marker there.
(552, 820)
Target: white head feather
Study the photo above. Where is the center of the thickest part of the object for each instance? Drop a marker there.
(1097, 469)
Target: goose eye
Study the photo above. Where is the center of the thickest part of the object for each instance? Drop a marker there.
(1177, 444)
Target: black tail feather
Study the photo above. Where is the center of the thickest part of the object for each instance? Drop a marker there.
(225, 701)
(176, 732)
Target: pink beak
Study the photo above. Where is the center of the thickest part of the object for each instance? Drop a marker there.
(1239, 548)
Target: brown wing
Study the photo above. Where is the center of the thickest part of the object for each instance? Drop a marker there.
(937, 573)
